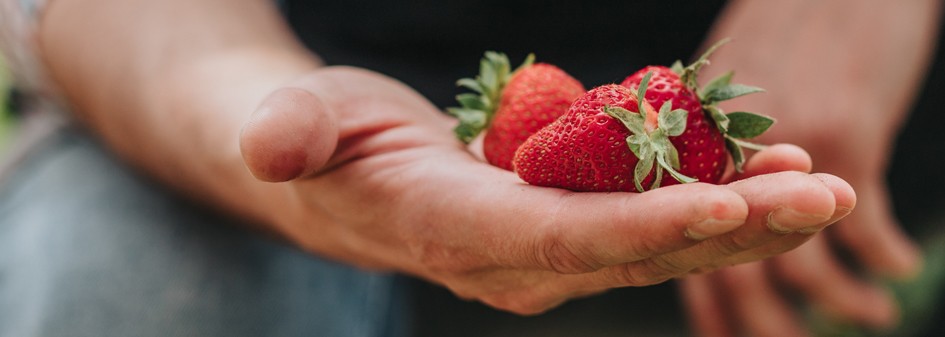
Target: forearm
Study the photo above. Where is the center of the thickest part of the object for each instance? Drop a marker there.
(168, 85)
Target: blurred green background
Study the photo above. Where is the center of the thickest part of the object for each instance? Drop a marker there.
(6, 119)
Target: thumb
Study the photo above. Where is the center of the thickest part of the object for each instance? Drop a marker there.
(291, 134)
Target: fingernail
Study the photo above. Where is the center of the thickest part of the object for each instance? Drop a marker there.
(839, 214)
(711, 227)
(786, 221)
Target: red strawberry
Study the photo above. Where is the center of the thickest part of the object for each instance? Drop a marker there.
(604, 143)
(611, 141)
(702, 152)
(710, 133)
(512, 105)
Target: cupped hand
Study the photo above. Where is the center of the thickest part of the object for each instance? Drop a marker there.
(376, 179)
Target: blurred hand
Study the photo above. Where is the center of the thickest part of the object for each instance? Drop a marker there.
(757, 299)
(718, 304)
(841, 95)
(377, 179)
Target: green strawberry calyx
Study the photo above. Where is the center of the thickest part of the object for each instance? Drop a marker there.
(478, 107)
(649, 141)
(736, 127)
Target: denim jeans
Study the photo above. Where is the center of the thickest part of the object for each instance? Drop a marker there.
(90, 248)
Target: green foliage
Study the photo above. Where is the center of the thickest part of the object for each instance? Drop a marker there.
(4, 89)
(747, 125)
(6, 121)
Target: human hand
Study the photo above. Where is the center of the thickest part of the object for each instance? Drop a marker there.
(718, 304)
(845, 107)
(375, 178)
(755, 298)
(751, 298)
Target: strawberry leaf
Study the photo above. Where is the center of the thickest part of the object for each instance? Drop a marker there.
(672, 122)
(747, 125)
(477, 108)
(715, 84)
(632, 120)
(738, 156)
(472, 101)
(529, 61)
(636, 144)
(471, 121)
(677, 67)
(748, 145)
(721, 120)
(657, 179)
(666, 150)
(673, 157)
(641, 93)
(500, 67)
(643, 168)
(489, 78)
(662, 160)
(728, 91)
(470, 84)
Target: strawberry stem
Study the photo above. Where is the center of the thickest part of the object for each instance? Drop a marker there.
(689, 73)
(650, 118)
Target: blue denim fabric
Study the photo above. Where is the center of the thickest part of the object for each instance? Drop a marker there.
(89, 248)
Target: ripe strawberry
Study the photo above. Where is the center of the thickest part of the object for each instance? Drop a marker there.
(710, 133)
(512, 105)
(701, 146)
(607, 141)
(583, 151)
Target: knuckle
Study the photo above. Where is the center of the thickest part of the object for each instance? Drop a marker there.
(647, 246)
(631, 275)
(727, 245)
(557, 255)
(648, 272)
